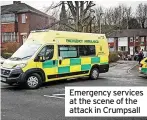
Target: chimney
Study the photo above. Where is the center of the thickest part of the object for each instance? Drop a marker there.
(16, 2)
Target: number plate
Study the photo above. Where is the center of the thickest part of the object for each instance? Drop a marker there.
(3, 79)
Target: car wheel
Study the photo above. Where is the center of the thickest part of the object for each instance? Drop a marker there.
(94, 74)
(33, 81)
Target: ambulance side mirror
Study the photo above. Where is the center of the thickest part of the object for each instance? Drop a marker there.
(39, 59)
(146, 61)
(60, 60)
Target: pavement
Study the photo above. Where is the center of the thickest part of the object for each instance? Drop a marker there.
(23, 104)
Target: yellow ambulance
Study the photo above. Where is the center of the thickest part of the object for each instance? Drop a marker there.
(143, 66)
(49, 55)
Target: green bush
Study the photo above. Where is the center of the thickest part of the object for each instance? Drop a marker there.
(113, 57)
(6, 55)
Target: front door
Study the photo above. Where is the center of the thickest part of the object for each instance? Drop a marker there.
(24, 38)
(48, 62)
(131, 50)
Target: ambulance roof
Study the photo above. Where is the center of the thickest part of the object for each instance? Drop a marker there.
(52, 36)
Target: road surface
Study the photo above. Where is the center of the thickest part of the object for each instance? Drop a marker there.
(22, 104)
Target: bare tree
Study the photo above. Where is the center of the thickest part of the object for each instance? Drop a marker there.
(53, 10)
(141, 14)
(84, 16)
(63, 17)
(99, 12)
(81, 12)
(128, 11)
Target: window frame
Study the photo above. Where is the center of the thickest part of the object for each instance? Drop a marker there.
(76, 46)
(6, 18)
(123, 48)
(87, 55)
(131, 39)
(45, 52)
(142, 39)
(7, 37)
(78, 51)
(23, 18)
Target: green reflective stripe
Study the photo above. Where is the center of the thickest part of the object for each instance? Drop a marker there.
(49, 64)
(75, 61)
(104, 63)
(65, 69)
(95, 60)
(144, 70)
(86, 67)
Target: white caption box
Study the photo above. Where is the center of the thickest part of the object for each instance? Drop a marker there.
(105, 101)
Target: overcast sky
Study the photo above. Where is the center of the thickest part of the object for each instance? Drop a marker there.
(105, 3)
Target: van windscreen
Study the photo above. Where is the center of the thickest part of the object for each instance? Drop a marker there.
(26, 51)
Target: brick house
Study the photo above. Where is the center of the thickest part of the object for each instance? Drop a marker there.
(130, 40)
(18, 19)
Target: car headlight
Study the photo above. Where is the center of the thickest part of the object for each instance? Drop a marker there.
(22, 65)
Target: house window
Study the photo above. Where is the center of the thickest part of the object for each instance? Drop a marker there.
(142, 39)
(123, 48)
(131, 39)
(6, 37)
(23, 18)
(137, 38)
(6, 18)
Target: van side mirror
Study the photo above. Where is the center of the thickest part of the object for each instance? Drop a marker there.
(39, 59)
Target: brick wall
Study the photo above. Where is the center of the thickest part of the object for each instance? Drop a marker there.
(23, 27)
(8, 27)
(33, 21)
(38, 21)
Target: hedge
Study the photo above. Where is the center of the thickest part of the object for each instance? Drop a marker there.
(113, 57)
(6, 55)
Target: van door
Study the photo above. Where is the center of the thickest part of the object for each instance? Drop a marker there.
(48, 62)
(70, 63)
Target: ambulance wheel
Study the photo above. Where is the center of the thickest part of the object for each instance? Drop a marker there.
(33, 81)
(94, 74)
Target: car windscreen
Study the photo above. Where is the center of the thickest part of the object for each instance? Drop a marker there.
(26, 51)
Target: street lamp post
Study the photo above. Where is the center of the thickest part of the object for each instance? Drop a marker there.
(134, 44)
(100, 21)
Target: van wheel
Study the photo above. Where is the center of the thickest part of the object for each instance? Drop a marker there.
(94, 74)
(33, 81)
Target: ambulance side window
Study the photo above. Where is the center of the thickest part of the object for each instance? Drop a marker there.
(87, 50)
(47, 52)
(67, 51)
